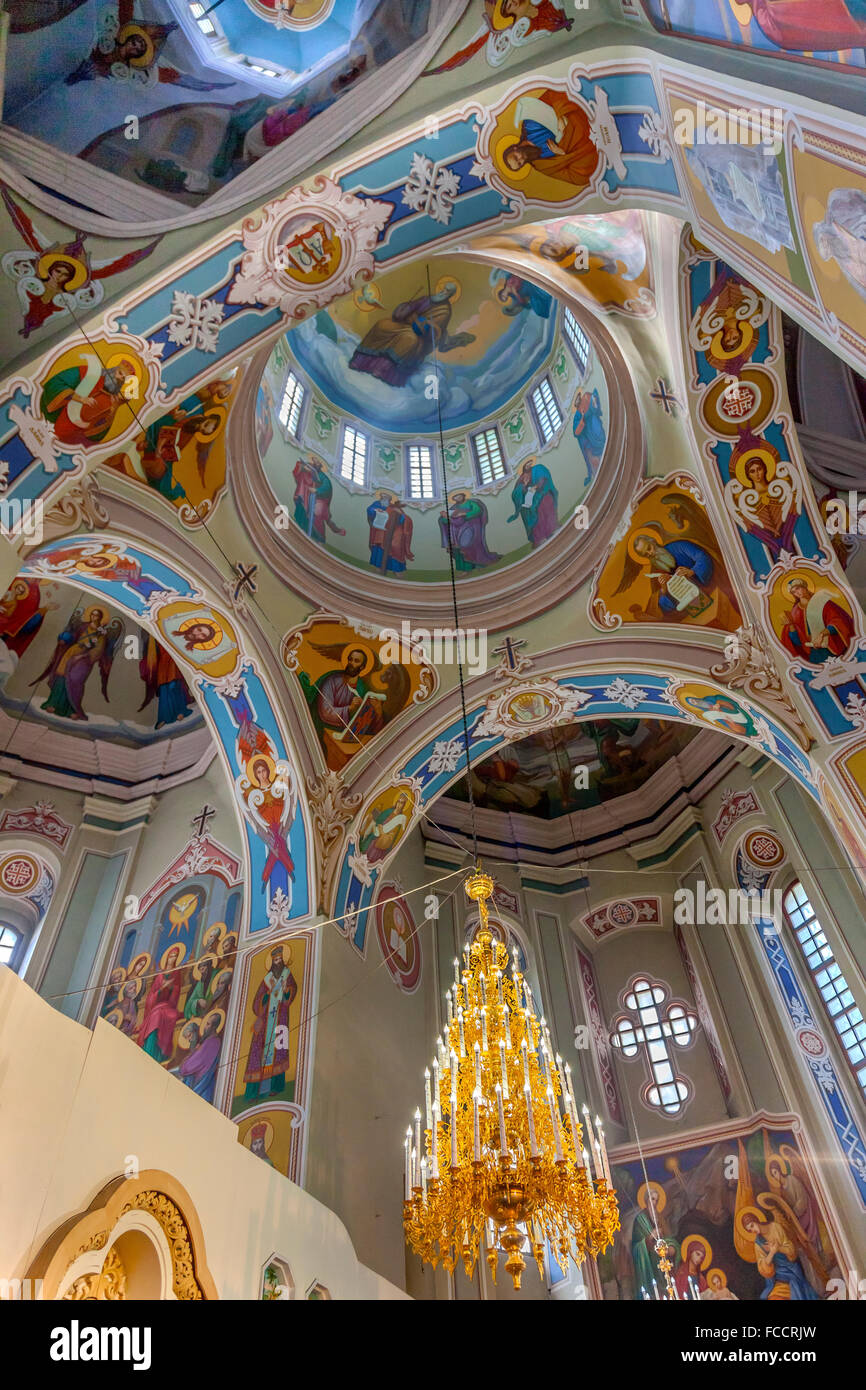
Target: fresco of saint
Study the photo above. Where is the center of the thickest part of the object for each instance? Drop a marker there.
(161, 1006)
(347, 709)
(81, 402)
(163, 679)
(88, 640)
(501, 17)
(384, 827)
(468, 526)
(390, 533)
(313, 493)
(589, 431)
(269, 1057)
(396, 346)
(811, 26)
(816, 627)
(127, 48)
(554, 138)
(535, 499)
(22, 613)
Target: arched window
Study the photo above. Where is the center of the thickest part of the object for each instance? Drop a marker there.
(829, 980)
(9, 939)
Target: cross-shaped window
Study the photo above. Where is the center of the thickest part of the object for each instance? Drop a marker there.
(653, 1030)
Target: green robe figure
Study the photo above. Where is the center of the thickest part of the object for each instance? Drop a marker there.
(643, 1242)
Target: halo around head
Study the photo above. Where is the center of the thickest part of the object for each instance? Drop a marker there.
(692, 1240)
(369, 658)
(660, 1197)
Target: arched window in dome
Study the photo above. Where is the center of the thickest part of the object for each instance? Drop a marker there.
(353, 456)
(489, 462)
(294, 392)
(827, 974)
(576, 339)
(419, 471)
(548, 416)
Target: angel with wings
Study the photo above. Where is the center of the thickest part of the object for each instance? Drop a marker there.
(89, 639)
(58, 277)
(685, 567)
(770, 1236)
(127, 48)
(270, 800)
(354, 700)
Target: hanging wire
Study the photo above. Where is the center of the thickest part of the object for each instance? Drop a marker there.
(454, 605)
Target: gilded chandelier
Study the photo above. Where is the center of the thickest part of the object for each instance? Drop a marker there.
(503, 1147)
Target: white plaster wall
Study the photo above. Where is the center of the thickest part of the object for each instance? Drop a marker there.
(68, 1128)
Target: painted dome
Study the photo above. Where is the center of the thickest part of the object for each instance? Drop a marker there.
(348, 422)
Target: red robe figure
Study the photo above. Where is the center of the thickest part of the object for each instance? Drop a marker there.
(555, 141)
(390, 534)
(811, 26)
(21, 614)
(499, 17)
(816, 627)
(161, 1010)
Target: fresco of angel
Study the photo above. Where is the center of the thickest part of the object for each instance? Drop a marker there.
(126, 49)
(508, 23)
(769, 1236)
(58, 277)
(89, 639)
(270, 798)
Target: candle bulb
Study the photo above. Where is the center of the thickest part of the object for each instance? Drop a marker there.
(503, 1068)
(655, 1289)
(437, 1104)
(456, 979)
(477, 1067)
(424, 1178)
(406, 1159)
(572, 1116)
(586, 1163)
(454, 1159)
(437, 1115)
(484, 1029)
(604, 1158)
(476, 1126)
(462, 1037)
(525, 1054)
(483, 983)
(503, 1141)
(645, 1294)
(453, 1076)
(587, 1126)
(599, 1171)
(570, 1087)
(533, 1144)
(507, 1024)
(554, 1120)
(499, 988)
(427, 1103)
(417, 1136)
(448, 1006)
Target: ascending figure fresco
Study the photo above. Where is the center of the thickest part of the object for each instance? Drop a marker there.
(89, 639)
(312, 499)
(535, 498)
(390, 533)
(126, 50)
(468, 517)
(269, 1056)
(55, 277)
(396, 346)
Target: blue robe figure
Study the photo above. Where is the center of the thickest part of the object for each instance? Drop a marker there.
(589, 430)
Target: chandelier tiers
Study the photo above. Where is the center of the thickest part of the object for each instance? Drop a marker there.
(503, 1146)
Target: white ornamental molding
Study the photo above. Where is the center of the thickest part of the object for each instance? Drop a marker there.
(524, 707)
(308, 247)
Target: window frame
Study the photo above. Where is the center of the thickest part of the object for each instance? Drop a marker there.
(15, 955)
(827, 961)
(570, 317)
(410, 494)
(482, 434)
(538, 388)
(349, 479)
(295, 433)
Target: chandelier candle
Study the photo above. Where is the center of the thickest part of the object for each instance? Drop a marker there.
(517, 1158)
